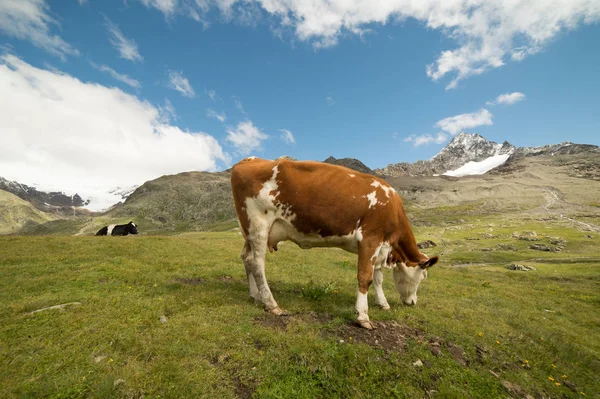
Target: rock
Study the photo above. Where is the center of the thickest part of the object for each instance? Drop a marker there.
(426, 244)
(506, 247)
(545, 248)
(100, 358)
(436, 351)
(488, 235)
(163, 319)
(418, 363)
(521, 268)
(557, 241)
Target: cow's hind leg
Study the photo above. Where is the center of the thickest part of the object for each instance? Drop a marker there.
(380, 299)
(253, 255)
(251, 283)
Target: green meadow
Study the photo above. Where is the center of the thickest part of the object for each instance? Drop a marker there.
(170, 317)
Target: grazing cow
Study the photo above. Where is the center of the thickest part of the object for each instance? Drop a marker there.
(118, 230)
(315, 204)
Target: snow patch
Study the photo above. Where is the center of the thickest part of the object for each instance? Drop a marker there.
(478, 168)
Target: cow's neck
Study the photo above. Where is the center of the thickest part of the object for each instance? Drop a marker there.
(407, 245)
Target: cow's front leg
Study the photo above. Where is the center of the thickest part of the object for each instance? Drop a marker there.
(254, 255)
(379, 295)
(367, 254)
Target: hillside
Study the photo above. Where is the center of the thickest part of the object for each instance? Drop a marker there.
(16, 213)
(189, 201)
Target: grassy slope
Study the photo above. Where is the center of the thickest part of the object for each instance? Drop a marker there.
(190, 201)
(529, 326)
(16, 213)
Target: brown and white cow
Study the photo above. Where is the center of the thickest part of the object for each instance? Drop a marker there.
(320, 205)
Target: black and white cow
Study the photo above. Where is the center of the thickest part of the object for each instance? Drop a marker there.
(118, 230)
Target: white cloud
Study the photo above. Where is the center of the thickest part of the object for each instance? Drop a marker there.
(458, 123)
(287, 136)
(123, 78)
(507, 98)
(167, 7)
(239, 106)
(488, 33)
(31, 20)
(330, 101)
(127, 48)
(211, 113)
(68, 135)
(246, 137)
(212, 94)
(167, 112)
(178, 82)
(82, 2)
(426, 139)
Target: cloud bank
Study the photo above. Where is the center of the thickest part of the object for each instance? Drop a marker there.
(487, 33)
(112, 139)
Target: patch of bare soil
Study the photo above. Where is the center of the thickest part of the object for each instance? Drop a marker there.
(389, 335)
(225, 279)
(281, 322)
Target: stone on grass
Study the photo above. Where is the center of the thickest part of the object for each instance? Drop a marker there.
(518, 267)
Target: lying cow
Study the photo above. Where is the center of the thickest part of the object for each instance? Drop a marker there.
(118, 230)
(320, 205)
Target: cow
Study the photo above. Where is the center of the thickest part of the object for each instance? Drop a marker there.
(314, 204)
(118, 230)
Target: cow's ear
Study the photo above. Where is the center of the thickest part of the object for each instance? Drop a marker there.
(426, 264)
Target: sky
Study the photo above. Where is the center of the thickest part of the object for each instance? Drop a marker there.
(99, 94)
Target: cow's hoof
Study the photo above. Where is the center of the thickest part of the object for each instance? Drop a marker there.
(278, 311)
(366, 324)
(384, 307)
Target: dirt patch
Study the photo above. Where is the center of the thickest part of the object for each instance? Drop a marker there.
(190, 281)
(243, 389)
(457, 354)
(388, 335)
(225, 279)
(272, 321)
(282, 322)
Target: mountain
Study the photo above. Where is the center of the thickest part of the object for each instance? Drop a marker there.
(351, 163)
(189, 201)
(54, 202)
(463, 148)
(16, 213)
(561, 180)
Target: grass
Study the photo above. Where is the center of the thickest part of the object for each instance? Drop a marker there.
(517, 329)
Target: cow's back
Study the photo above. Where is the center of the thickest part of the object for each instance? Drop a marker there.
(321, 198)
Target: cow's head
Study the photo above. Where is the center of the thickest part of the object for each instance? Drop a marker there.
(408, 278)
(131, 228)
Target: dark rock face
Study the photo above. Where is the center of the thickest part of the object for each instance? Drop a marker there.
(463, 148)
(350, 163)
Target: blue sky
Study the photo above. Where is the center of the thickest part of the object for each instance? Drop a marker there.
(385, 83)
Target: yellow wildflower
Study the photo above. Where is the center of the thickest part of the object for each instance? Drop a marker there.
(553, 366)
(480, 334)
(564, 376)
(551, 379)
(557, 384)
